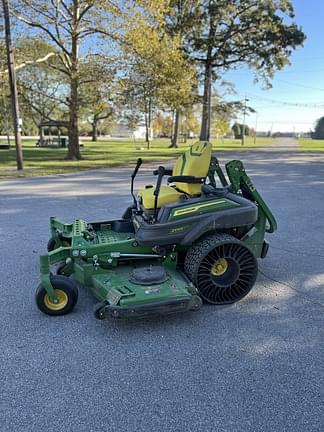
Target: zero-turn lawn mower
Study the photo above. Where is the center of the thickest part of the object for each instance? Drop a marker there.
(195, 239)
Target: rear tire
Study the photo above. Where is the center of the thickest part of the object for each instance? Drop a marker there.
(222, 268)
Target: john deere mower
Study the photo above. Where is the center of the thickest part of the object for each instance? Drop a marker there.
(195, 239)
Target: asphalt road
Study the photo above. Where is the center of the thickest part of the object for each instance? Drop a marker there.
(255, 366)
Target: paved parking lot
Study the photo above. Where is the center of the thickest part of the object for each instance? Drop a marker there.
(255, 366)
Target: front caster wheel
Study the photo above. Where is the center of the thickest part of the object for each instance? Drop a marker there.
(54, 243)
(51, 244)
(63, 270)
(66, 292)
(222, 268)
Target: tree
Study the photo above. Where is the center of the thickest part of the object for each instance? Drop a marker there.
(159, 70)
(41, 92)
(223, 35)
(158, 124)
(13, 85)
(99, 111)
(238, 128)
(178, 20)
(42, 89)
(137, 95)
(67, 25)
(97, 97)
(189, 124)
(28, 53)
(220, 127)
(319, 129)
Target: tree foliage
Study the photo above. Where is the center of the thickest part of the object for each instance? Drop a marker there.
(166, 49)
(221, 35)
(67, 25)
(319, 129)
(238, 128)
(159, 74)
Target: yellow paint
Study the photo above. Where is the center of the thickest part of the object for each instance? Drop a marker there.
(194, 162)
(220, 267)
(62, 300)
(167, 195)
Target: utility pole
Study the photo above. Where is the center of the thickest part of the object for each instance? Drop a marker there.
(244, 114)
(13, 86)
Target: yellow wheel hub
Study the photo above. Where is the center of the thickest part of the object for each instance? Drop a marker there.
(62, 300)
(220, 267)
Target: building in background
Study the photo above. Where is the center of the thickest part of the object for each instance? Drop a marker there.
(121, 130)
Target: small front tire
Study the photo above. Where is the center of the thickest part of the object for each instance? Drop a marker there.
(67, 294)
(51, 244)
(54, 243)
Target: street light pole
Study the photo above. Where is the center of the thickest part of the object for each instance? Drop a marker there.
(244, 114)
(13, 86)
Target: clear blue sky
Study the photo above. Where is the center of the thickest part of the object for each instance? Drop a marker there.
(302, 82)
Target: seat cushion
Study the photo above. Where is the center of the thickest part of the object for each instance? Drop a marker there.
(167, 195)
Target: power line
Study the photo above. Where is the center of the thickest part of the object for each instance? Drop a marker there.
(285, 122)
(294, 104)
(298, 85)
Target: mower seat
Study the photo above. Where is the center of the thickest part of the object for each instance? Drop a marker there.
(167, 195)
(194, 162)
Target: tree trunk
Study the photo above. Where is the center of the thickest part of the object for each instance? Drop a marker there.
(147, 131)
(41, 135)
(172, 128)
(74, 147)
(13, 87)
(175, 137)
(95, 129)
(149, 124)
(206, 109)
(148, 121)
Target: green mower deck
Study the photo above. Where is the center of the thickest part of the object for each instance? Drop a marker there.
(169, 260)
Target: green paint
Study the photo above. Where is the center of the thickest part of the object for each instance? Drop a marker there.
(241, 181)
(92, 252)
(115, 287)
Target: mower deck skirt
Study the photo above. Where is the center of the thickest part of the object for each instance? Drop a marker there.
(150, 309)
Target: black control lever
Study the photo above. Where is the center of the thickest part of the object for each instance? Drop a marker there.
(161, 172)
(138, 164)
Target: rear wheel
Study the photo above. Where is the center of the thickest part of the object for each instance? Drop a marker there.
(222, 268)
(66, 292)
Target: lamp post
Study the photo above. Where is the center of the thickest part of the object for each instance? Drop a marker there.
(13, 86)
(244, 114)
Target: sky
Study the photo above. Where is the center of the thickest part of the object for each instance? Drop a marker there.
(301, 83)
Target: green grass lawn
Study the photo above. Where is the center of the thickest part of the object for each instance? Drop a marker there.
(101, 154)
(311, 145)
